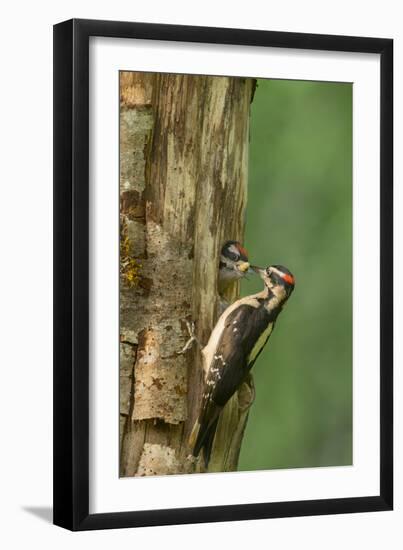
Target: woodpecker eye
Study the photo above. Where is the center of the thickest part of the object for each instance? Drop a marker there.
(232, 256)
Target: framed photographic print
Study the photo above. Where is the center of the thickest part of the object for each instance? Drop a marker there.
(223, 274)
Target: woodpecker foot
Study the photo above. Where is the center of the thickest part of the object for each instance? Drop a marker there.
(252, 387)
(192, 338)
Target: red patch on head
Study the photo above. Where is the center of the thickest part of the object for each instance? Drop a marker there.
(242, 250)
(288, 279)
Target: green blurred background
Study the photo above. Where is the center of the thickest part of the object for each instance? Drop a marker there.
(299, 215)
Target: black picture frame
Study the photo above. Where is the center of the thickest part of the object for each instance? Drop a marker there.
(71, 274)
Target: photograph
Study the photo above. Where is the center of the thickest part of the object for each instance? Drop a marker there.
(235, 274)
(200, 291)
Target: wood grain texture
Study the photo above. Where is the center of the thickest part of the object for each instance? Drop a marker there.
(183, 182)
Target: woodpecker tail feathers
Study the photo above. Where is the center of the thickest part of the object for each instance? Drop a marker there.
(203, 432)
(208, 442)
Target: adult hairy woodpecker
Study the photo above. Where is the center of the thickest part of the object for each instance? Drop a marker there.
(234, 264)
(234, 345)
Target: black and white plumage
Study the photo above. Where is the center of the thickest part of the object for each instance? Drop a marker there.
(234, 264)
(234, 345)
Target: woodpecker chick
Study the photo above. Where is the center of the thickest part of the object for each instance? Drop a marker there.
(234, 264)
(235, 343)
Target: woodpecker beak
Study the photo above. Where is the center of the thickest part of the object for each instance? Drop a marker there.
(259, 271)
(243, 267)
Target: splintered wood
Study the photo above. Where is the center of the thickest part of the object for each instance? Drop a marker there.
(183, 181)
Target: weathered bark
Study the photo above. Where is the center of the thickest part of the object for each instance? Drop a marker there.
(183, 181)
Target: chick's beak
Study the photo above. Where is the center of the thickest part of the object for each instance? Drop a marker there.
(243, 267)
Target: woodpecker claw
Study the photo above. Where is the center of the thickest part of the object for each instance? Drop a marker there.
(192, 338)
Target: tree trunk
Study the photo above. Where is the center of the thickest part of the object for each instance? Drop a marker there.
(183, 182)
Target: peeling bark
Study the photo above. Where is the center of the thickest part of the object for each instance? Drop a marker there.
(157, 460)
(183, 181)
